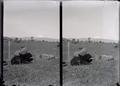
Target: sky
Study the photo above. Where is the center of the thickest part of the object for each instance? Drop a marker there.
(93, 19)
(81, 19)
(31, 18)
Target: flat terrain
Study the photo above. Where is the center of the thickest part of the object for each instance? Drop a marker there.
(46, 72)
(38, 73)
(99, 73)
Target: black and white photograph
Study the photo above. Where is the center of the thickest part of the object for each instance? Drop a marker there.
(90, 43)
(60, 43)
(31, 43)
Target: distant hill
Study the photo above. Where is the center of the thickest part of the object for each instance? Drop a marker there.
(54, 40)
(95, 39)
(105, 40)
(35, 38)
(44, 38)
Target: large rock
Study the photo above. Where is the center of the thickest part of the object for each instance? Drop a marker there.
(106, 57)
(47, 56)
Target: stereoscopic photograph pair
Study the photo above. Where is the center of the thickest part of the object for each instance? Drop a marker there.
(59, 43)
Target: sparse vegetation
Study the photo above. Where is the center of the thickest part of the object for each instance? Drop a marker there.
(38, 73)
(46, 72)
(99, 73)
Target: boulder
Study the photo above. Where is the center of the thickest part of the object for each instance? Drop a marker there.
(47, 56)
(106, 57)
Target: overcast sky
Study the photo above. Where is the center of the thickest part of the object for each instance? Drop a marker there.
(81, 19)
(91, 19)
(31, 18)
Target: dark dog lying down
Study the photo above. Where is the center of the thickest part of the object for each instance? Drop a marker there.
(85, 59)
(22, 58)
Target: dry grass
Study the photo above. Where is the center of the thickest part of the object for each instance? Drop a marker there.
(43, 73)
(99, 73)
(40, 72)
